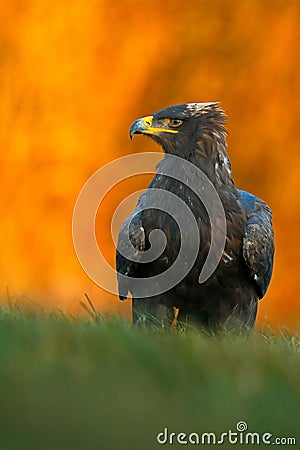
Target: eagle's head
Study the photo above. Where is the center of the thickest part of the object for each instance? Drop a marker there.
(182, 129)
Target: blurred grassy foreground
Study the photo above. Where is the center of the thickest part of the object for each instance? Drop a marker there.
(74, 384)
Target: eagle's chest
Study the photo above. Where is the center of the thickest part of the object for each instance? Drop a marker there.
(181, 215)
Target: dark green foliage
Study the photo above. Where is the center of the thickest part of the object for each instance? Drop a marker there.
(74, 384)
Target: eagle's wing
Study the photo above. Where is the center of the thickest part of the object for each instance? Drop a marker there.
(258, 243)
(132, 228)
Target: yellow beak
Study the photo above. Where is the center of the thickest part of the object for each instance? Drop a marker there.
(144, 126)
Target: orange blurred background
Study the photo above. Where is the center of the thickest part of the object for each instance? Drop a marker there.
(75, 75)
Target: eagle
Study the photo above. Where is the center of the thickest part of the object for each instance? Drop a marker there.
(193, 138)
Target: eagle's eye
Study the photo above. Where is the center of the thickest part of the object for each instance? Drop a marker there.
(175, 122)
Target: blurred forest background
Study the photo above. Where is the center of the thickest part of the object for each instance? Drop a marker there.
(75, 75)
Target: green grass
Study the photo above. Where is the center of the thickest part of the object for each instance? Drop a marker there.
(75, 384)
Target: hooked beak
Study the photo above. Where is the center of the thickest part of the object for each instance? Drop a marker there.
(144, 126)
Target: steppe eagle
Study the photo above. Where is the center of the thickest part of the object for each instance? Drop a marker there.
(195, 132)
